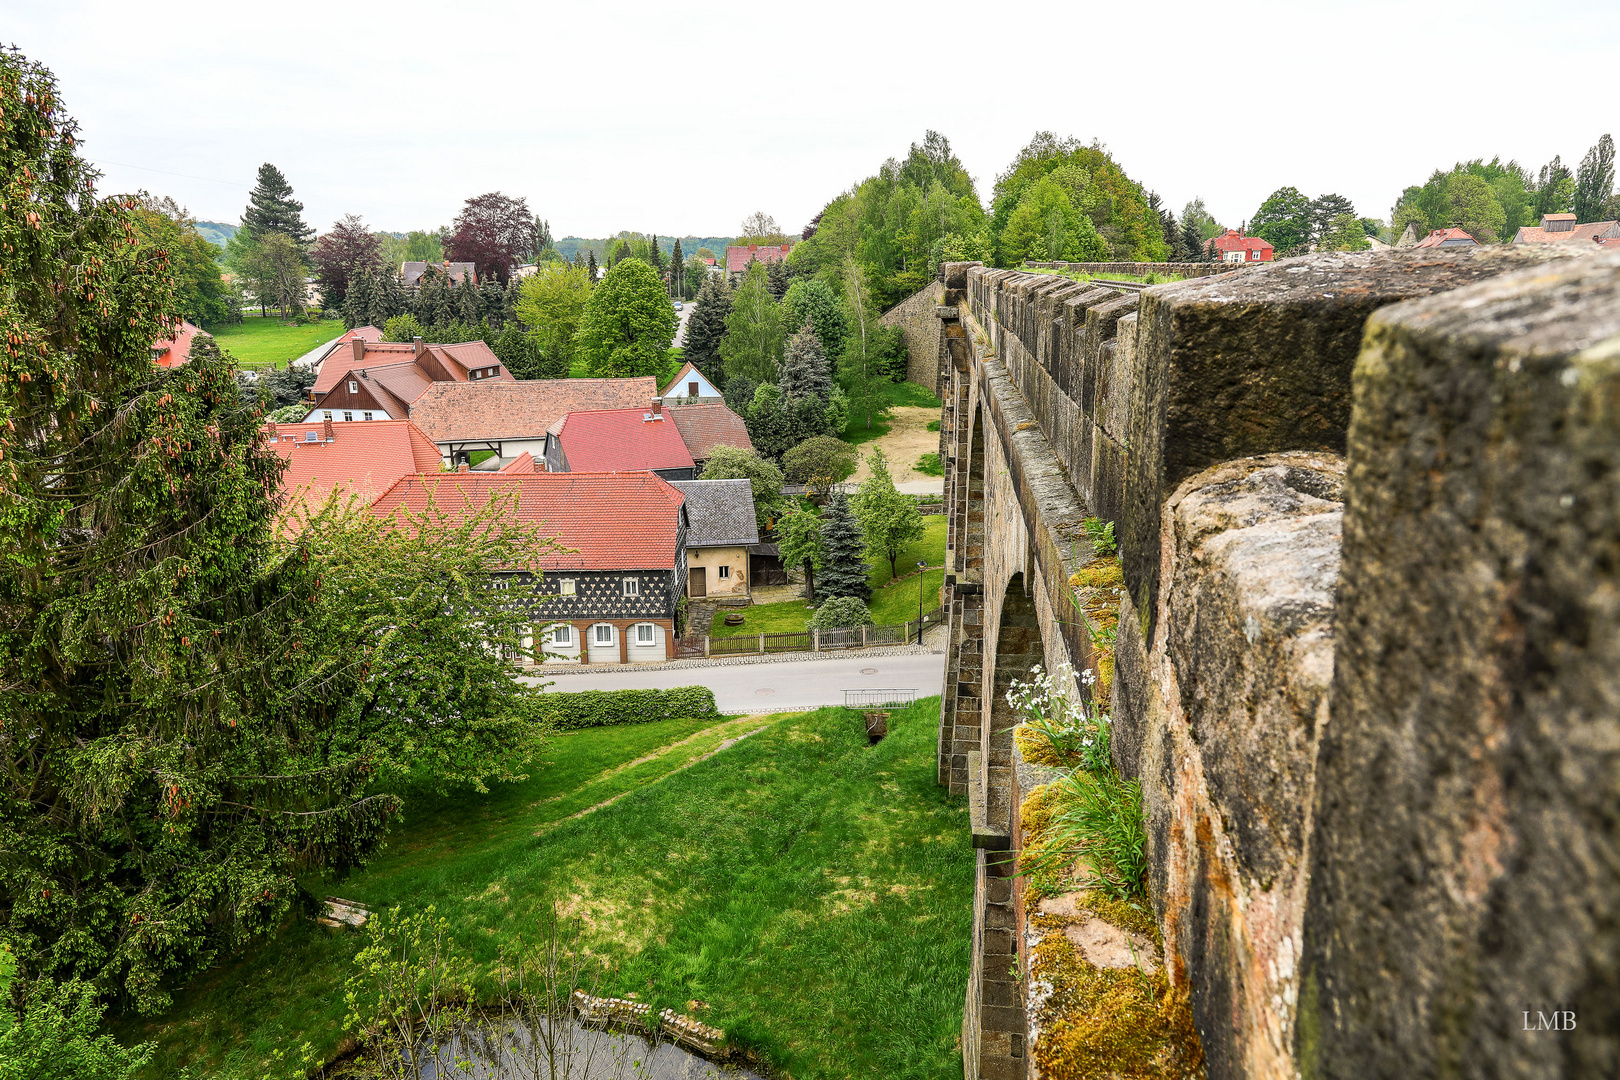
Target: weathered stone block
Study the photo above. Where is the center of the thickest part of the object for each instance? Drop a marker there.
(1466, 854)
(1259, 362)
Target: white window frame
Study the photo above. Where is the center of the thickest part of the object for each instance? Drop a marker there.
(565, 586)
(348, 417)
(598, 629)
(562, 635)
(354, 387)
(724, 573)
(365, 416)
(631, 586)
(646, 634)
(326, 414)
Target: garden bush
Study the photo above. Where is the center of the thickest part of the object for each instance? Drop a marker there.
(606, 708)
(841, 613)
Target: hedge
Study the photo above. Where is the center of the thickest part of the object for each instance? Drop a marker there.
(604, 708)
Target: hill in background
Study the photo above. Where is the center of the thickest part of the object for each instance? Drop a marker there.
(216, 232)
(568, 246)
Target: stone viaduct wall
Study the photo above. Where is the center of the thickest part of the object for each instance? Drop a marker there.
(915, 317)
(1368, 647)
(1140, 269)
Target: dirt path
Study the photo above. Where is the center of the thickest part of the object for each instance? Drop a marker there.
(908, 439)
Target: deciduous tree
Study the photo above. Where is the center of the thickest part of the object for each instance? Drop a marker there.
(343, 254)
(764, 479)
(819, 462)
(1284, 221)
(760, 228)
(755, 332)
(552, 305)
(889, 519)
(627, 324)
(798, 539)
(495, 233)
(812, 300)
(168, 231)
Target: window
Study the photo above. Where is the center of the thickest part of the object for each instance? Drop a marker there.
(562, 635)
(632, 586)
(501, 584)
(565, 586)
(365, 416)
(604, 633)
(354, 387)
(349, 416)
(326, 416)
(725, 572)
(644, 633)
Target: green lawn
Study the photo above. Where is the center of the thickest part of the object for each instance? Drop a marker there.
(814, 891)
(257, 343)
(891, 603)
(902, 393)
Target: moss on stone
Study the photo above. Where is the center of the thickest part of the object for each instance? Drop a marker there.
(1102, 574)
(1037, 749)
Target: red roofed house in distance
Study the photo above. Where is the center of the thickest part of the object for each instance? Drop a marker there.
(738, 256)
(613, 585)
(1233, 246)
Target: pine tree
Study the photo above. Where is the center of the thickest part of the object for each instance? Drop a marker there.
(467, 308)
(804, 372)
(358, 304)
(776, 278)
(590, 263)
(677, 270)
(1192, 241)
(509, 303)
(492, 302)
(392, 298)
(655, 255)
(843, 552)
(271, 208)
(706, 326)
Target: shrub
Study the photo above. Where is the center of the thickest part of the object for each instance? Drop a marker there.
(841, 613)
(607, 708)
(929, 465)
(403, 328)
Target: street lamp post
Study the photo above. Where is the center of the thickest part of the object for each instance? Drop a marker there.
(922, 569)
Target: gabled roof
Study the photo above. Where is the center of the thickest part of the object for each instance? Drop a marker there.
(523, 463)
(720, 513)
(611, 521)
(411, 272)
(680, 377)
(1585, 234)
(519, 409)
(738, 256)
(403, 371)
(175, 350)
(1447, 238)
(361, 459)
(622, 440)
(703, 427)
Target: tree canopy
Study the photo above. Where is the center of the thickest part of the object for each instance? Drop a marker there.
(552, 305)
(627, 324)
(1489, 199)
(755, 330)
(1092, 183)
(889, 519)
(200, 291)
(1284, 221)
(272, 209)
(495, 233)
(348, 251)
(764, 479)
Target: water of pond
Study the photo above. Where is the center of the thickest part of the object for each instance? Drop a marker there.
(571, 1051)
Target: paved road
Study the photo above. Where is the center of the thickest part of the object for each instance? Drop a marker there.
(751, 688)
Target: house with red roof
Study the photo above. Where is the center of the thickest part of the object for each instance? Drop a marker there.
(175, 350)
(620, 440)
(380, 380)
(704, 427)
(1447, 238)
(739, 256)
(359, 460)
(1232, 246)
(1563, 229)
(511, 417)
(613, 582)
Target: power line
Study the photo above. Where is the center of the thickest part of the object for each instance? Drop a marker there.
(165, 172)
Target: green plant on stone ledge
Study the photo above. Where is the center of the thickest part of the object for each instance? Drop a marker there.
(1101, 535)
(1076, 730)
(1099, 817)
(1102, 637)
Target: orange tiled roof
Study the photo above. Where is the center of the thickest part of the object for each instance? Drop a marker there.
(520, 408)
(174, 351)
(739, 256)
(623, 440)
(1446, 238)
(1592, 230)
(362, 458)
(703, 427)
(611, 521)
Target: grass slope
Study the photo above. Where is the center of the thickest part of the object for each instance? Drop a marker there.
(257, 342)
(814, 891)
(892, 602)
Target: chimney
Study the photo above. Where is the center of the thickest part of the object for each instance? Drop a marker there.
(359, 346)
(330, 434)
(420, 348)
(658, 406)
(271, 430)
(463, 467)
(753, 247)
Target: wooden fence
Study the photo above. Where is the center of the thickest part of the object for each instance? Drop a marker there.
(856, 637)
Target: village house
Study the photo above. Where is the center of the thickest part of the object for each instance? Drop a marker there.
(613, 585)
(510, 418)
(704, 427)
(619, 440)
(359, 460)
(1447, 238)
(1563, 229)
(382, 380)
(738, 256)
(410, 273)
(1233, 247)
(721, 528)
(689, 386)
(175, 350)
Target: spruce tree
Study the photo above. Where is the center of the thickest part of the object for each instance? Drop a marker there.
(804, 373)
(776, 278)
(706, 326)
(590, 263)
(655, 255)
(677, 270)
(467, 308)
(843, 552)
(271, 208)
(509, 303)
(391, 294)
(358, 304)
(1192, 241)
(492, 302)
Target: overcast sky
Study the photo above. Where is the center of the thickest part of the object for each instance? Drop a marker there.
(624, 115)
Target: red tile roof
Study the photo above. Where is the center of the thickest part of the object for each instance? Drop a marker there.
(703, 427)
(439, 363)
(523, 463)
(1446, 238)
(519, 409)
(611, 521)
(1592, 230)
(1232, 240)
(362, 458)
(739, 256)
(622, 440)
(174, 351)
